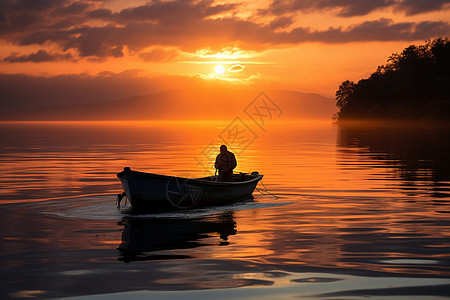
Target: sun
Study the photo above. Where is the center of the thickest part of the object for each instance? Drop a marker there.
(219, 69)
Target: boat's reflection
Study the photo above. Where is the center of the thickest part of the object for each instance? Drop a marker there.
(155, 239)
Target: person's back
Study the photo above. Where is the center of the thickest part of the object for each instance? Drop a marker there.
(225, 163)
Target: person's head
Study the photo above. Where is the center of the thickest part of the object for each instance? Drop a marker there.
(223, 149)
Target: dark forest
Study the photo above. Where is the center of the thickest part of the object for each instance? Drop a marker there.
(413, 85)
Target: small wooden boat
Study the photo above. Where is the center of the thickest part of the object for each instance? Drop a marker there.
(147, 191)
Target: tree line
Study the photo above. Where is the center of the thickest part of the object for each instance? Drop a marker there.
(414, 84)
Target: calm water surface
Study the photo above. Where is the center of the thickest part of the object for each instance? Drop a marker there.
(351, 212)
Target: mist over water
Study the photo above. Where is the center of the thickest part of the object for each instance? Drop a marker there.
(359, 210)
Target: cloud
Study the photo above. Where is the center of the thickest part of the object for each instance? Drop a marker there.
(101, 13)
(344, 8)
(74, 8)
(87, 29)
(159, 54)
(377, 30)
(37, 57)
(414, 7)
(18, 16)
(280, 22)
(168, 12)
(351, 8)
(236, 68)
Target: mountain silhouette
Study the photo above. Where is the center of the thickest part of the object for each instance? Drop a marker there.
(204, 104)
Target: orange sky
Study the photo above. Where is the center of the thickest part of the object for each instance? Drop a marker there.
(303, 45)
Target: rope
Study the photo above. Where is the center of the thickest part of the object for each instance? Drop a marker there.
(265, 189)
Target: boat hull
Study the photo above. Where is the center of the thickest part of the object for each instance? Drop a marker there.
(160, 192)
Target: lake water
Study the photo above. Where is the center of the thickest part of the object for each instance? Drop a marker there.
(346, 212)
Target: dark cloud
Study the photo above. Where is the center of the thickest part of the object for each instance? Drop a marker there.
(20, 15)
(280, 22)
(378, 30)
(101, 13)
(172, 11)
(75, 8)
(69, 24)
(350, 8)
(414, 7)
(344, 7)
(190, 25)
(99, 42)
(160, 55)
(37, 57)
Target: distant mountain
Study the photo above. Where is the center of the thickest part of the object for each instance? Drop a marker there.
(213, 104)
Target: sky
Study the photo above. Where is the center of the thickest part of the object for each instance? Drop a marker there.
(105, 48)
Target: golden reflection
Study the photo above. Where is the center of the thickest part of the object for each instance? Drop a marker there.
(348, 206)
(28, 294)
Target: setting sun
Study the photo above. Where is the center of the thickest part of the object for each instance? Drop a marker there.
(219, 69)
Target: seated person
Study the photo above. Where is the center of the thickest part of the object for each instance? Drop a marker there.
(225, 163)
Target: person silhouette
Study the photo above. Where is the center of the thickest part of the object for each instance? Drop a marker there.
(225, 163)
